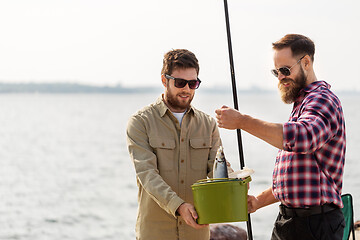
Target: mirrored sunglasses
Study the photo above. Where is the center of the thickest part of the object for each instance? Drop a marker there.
(285, 70)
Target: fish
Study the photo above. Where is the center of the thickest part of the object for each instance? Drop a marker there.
(220, 165)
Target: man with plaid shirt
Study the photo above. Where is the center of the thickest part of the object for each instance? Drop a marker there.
(307, 178)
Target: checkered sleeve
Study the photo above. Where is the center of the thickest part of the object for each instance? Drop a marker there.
(317, 123)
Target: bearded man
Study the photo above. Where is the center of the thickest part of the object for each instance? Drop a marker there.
(172, 145)
(307, 178)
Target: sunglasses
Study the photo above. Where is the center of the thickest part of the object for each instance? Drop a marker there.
(180, 83)
(284, 70)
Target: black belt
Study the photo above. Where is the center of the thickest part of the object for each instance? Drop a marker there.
(306, 212)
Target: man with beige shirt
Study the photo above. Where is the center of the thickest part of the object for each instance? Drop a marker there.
(172, 145)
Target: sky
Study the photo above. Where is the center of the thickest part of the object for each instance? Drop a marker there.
(116, 42)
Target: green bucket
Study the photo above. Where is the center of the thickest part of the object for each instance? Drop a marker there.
(221, 200)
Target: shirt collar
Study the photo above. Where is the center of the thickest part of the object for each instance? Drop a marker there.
(163, 108)
(310, 88)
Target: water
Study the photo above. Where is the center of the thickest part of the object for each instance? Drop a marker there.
(65, 172)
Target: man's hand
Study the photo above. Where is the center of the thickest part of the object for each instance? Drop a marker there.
(263, 199)
(253, 204)
(230, 118)
(227, 117)
(188, 213)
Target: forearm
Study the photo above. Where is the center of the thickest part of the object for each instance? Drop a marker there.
(263, 199)
(145, 163)
(230, 118)
(266, 198)
(271, 133)
(149, 178)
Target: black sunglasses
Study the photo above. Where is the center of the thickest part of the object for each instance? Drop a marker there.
(285, 70)
(180, 83)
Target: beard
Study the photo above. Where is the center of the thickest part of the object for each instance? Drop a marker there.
(290, 93)
(176, 104)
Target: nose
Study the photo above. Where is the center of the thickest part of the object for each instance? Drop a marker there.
(186, 87)
(281, 76)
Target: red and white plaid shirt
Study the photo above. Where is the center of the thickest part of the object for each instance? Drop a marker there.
(309, 170)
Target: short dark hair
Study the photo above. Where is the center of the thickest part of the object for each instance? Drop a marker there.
(299, 45)
(179, 59)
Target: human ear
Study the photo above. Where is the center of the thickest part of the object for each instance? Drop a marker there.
(307, 62)
(163, 80)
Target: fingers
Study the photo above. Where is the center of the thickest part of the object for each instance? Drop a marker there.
(228, 118)
(190, 215)
(193, 213)
(219, 111)
(191, 219)
(219, 116)
(251, 204)
(191, 222)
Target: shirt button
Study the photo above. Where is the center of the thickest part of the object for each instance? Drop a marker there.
(163, 144)
(182, 181)
(180, 222)
(182, 160)
(182, 140)
(204, 144)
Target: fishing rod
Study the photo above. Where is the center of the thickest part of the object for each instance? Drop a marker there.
(236, 106)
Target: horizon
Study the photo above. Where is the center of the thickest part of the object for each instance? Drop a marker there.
(70, 87)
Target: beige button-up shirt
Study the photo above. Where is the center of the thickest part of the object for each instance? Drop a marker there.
(168, 159)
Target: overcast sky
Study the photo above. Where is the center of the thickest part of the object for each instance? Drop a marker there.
(109, 42)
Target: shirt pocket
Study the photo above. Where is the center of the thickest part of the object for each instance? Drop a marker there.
(199, 153)
(164, 150)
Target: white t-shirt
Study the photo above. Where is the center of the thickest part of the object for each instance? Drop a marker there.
(179, 116)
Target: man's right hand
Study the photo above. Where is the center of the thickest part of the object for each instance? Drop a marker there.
(228, 118)
(188, 213)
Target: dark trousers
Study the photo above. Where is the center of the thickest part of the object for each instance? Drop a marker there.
(323, 226)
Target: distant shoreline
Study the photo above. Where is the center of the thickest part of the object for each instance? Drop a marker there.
(83, 88)
(118, 89)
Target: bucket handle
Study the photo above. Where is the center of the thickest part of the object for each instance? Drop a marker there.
(243, 180)
(211, 179)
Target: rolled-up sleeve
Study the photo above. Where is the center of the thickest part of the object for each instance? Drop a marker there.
(317, 124)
